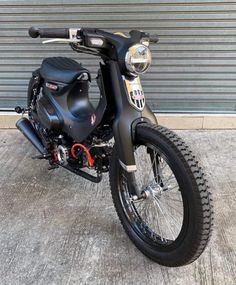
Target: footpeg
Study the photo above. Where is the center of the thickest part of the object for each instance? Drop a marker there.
(20, 110)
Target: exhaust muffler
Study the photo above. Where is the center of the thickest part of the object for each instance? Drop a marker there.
(29, 132)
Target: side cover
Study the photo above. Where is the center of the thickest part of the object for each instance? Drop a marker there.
(72, 106)
(65, 107)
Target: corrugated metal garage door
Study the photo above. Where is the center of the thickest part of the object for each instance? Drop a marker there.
(194, 65)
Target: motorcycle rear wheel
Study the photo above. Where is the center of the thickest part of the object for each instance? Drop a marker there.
(173, 221)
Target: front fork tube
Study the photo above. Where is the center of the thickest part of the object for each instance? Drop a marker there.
(127, 116)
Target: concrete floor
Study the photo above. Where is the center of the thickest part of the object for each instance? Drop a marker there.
(56, 228)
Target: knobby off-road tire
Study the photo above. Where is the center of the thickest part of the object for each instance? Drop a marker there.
(196, 225)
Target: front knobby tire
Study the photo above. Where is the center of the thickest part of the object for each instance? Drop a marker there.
(196, 222)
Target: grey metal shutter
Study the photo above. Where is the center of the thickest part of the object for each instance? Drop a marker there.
(194, 64)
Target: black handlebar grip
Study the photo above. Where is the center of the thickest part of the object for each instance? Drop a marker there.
(33, 32)
(154, 39)
(49, 33)
(54, 33)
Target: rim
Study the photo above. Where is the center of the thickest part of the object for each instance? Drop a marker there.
(159, 214)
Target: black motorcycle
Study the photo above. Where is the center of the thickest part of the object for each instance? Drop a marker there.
(158, 189)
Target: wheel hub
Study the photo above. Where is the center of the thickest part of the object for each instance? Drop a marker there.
(152, 191)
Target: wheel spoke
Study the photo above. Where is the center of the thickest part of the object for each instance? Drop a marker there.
(146, 210)
(167, 223)
(175, 200)
(165, 164)
(173, 219)
(177, 211)
(158, 170)
(169, 178)
(172, 188)
(172, 193)
(158, 225)
(140, 207)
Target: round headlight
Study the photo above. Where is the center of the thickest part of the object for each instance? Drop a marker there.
(138, 59)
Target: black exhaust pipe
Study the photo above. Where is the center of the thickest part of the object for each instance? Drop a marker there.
(29, 132)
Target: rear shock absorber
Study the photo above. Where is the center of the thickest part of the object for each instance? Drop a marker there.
(90, 160)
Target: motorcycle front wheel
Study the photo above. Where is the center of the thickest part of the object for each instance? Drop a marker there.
(171, 220)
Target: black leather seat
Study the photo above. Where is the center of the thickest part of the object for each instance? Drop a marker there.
(61, 69)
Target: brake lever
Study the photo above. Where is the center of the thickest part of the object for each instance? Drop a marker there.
(62, 41)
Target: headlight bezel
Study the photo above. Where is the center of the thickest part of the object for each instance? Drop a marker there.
(132, 53)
